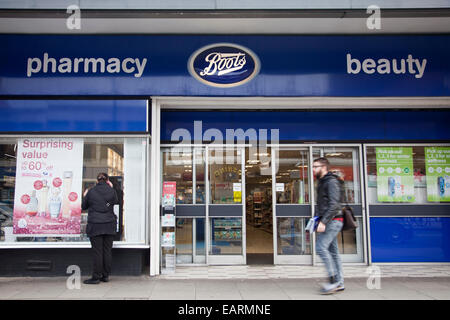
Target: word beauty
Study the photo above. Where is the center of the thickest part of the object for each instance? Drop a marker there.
(85, 65)
(386, 66)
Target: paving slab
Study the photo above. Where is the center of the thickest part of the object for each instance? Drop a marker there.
(217, 290)
(265, 289)
(174, 290)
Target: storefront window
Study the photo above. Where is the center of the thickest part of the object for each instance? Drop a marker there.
(292, 238)
(226, 236)
(42, 181)
(409, 174)
(225, 172)
(292, 177)
(177, 167)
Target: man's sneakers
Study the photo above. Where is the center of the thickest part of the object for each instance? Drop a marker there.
(340, 288)
(331, 287)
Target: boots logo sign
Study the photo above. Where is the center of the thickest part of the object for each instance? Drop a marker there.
(223, 65)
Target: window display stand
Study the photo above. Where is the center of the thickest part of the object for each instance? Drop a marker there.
(257, 209)
(168, 227)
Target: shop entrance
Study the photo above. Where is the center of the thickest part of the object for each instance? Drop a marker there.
(258, 197)
(242, 205)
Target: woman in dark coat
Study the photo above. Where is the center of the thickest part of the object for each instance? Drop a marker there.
(101, 226)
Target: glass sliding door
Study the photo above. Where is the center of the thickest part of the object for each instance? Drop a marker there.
(345, 162)
(291, 205)
(225, 213)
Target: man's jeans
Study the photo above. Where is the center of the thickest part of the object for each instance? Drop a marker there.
(327, 249)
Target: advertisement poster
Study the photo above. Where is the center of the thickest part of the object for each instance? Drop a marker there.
(395, 181)
(168, 220)
(169, 193)
(437, 166)
(48, 187)
(168, 239)
(237, 192)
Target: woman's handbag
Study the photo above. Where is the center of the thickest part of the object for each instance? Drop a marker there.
(349, 219)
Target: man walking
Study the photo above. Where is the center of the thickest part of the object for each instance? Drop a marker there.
(331, 222)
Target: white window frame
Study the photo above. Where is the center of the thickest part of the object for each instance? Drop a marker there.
(143, 244)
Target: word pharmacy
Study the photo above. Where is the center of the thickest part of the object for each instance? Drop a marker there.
(85, 65)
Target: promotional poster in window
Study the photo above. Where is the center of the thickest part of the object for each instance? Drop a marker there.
(437, 161)
(48, 187)
(395, 174)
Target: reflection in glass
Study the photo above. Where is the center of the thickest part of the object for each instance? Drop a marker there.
(8, 155)
(200, 176)
(292, 239)
(225, 176)
(226, 236)
(190, 235)
(292, 177)
(347, 240)
(200, 249)
(177, 166)
(183, 240)
(344, 162)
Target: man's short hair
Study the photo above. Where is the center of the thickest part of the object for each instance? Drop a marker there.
(102, 177)
(323, 161)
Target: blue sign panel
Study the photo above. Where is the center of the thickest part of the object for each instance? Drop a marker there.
(144, 65)
(73, 116)
(224, 65)
(309, 125)
(418, 239)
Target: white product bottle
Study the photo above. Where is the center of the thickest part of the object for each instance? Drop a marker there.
(54, 205)
(67, 188)
(32, 206)
(398, 187)
(43, 196)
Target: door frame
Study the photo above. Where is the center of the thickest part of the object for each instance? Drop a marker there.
(362, 243)
(361, 238)
(287, 259)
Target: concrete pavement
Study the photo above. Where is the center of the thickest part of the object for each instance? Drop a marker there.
(390, 286)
